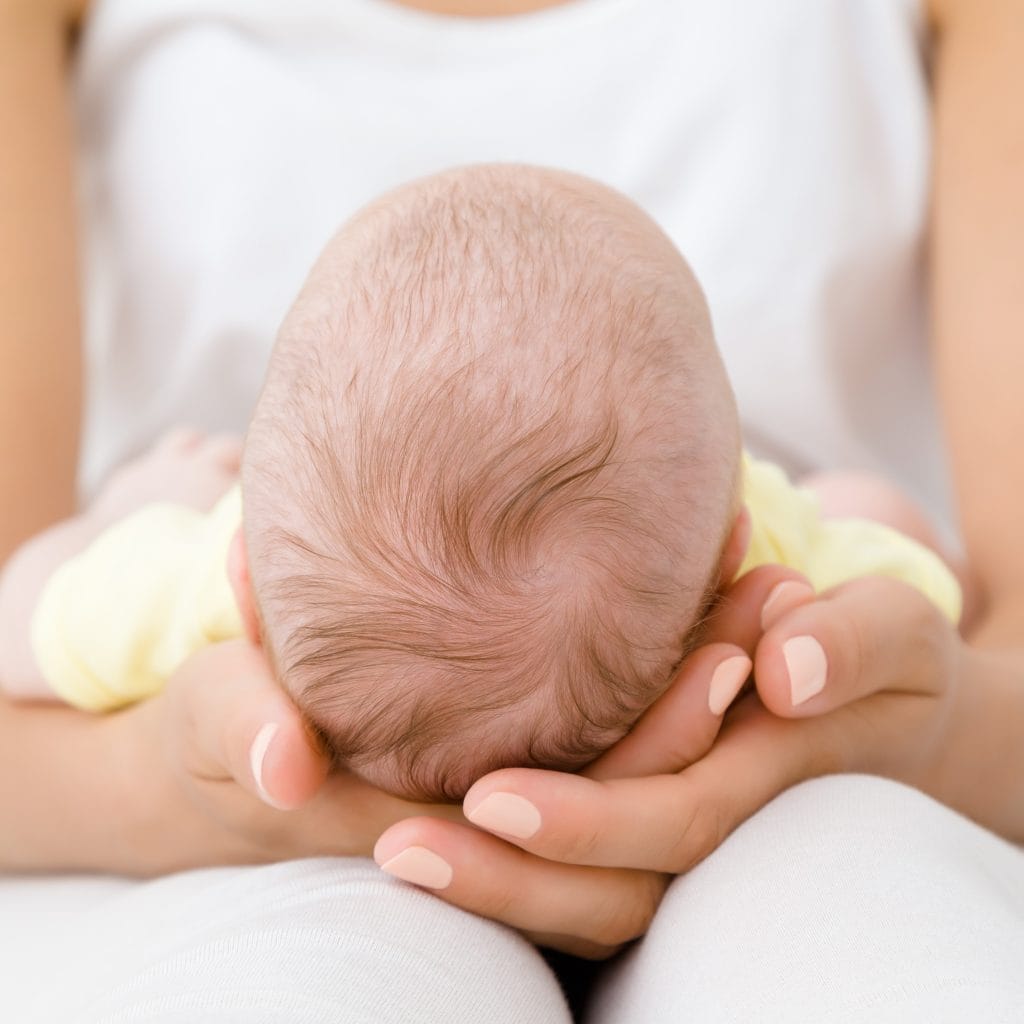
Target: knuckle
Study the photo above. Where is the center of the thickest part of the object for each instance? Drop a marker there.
(703, 828)
(579, 846)
(498, 904)
(922, 631)
(627, 913)
(585, 950)
(578, 835)
(834, 749)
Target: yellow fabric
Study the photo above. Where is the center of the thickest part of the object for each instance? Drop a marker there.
(115, 622)
(787, 528)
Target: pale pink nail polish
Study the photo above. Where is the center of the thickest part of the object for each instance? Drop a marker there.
(782, 598)
(808, 667)
(726, 681)
(258, 754)
(507, 813)
(420, 866)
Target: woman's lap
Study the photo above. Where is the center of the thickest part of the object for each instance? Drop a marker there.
(305, 941)
(847, 899)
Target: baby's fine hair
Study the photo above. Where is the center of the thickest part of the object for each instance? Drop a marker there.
(488, 479)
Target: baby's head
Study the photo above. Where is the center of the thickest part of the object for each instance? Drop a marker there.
(489, 478)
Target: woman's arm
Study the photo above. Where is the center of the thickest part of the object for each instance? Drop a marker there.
(977, 266)
(977, 273)
(40, 342)
(44, 770)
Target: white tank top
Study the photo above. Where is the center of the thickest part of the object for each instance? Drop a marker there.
(784, 147)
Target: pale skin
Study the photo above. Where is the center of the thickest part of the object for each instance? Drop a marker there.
(905, 695)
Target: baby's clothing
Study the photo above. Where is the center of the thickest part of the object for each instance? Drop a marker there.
(113, 623)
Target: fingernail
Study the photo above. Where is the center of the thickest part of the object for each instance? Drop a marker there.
(807, 665)
(726, 681)
(507, 813)
(782, 598)
(257, 755)
(420, 866)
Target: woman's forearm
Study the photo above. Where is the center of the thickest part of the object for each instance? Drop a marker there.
(81, 792)
(40, 360)
(61, 804)
(984, 773)
(983, 767)
(976, 250)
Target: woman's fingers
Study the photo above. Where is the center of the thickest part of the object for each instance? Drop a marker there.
(757, 597)
(587, 911)
(660, 823)
(868, 635)
(816, 655)
(681, 725)
(244, 727)
(568, 864)
(594, 852)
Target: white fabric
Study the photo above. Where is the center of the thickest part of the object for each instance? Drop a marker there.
(783, 145)
(305, 942)
(847, 900)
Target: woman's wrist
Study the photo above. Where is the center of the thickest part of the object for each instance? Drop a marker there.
(160, 827)
(83, 792)
(60, 799)
(980, 769)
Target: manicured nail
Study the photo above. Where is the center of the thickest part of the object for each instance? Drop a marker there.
(257, 755)
(420, 866)
(726, 681)
(507, 813)
(782, 598)
(807, 665)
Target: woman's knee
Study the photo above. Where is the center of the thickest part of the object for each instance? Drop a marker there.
(845, 892)
(308, 941)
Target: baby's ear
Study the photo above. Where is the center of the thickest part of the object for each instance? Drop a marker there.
(238, 576)
(735, 549)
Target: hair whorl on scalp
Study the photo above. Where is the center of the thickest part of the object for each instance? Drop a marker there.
(483, 490)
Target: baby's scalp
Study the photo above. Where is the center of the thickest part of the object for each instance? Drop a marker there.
(488, 478)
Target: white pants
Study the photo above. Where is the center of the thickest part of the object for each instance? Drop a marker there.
(847, 899)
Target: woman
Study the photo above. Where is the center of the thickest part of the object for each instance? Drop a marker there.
(786, 149)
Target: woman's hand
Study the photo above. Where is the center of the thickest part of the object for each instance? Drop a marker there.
(225, 772)
(864, 679)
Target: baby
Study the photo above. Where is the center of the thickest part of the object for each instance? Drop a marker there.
(488, 489)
